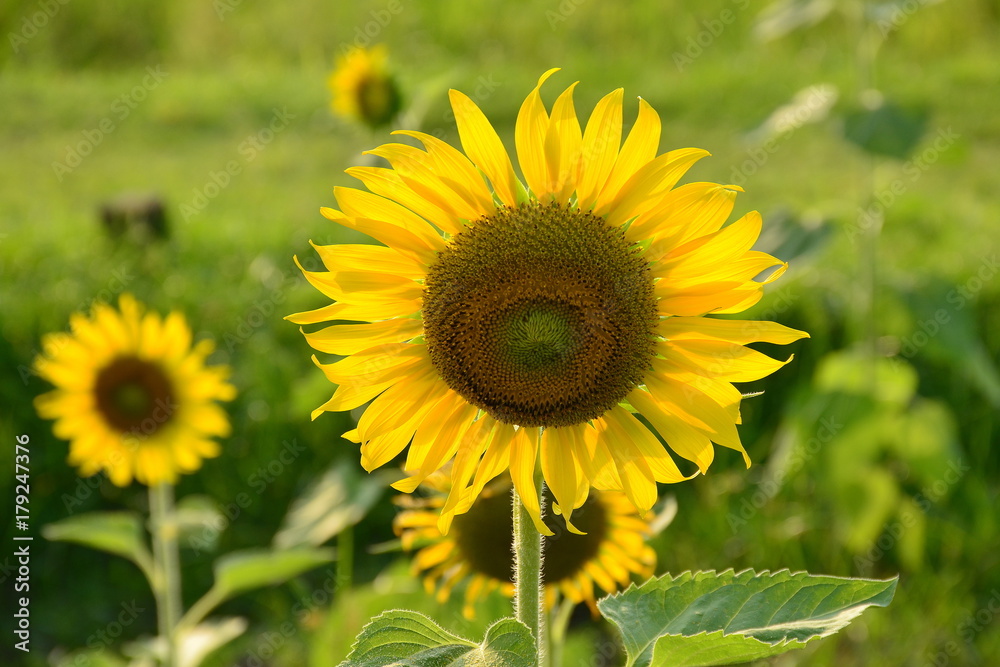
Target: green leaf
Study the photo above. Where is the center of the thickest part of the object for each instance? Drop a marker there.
(119, 533)
(400, 637)
(198, 642)
(255, 568)
(338, 499)
(884, 128)
(199, 522)
(242, 571)
(707, 618)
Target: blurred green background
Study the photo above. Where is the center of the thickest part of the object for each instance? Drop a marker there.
(875, 451)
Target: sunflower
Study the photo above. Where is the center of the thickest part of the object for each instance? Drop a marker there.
(362, 87)
(478, 547)
(504, 325)
(132, 396)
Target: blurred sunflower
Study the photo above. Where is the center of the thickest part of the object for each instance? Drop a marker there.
(132, 396)
(478, 547)
(509, 324)
(362, 87)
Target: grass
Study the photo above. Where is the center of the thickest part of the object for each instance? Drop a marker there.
(232, 259)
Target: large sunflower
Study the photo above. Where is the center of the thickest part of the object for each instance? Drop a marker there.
(132, 396)
(508, 325)
(362, 87)
(477, 550)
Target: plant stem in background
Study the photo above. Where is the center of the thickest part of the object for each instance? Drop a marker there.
(561, 614)
(345, 558)
(166, 563)
(528, 572)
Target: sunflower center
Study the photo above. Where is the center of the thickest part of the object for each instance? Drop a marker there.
(483, 536)
(377, 98)
(133, 393)
(541, 315)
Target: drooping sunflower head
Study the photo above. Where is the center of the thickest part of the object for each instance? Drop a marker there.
(477, 550)
(363, 88)
(132, 395)
(507, 324)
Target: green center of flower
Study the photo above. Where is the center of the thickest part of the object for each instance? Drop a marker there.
(539, 336)
(541, 315)
(483, 537)
(378, 99)
(133, 393)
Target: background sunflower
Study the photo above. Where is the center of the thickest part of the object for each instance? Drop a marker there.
(133, 396)
(477, 552)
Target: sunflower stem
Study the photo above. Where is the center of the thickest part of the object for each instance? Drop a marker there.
(528, 573)
(166, 564)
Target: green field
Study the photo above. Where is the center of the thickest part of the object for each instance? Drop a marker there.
(875, 451)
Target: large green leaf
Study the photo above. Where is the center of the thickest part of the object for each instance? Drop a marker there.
(338, 499)
(254, 568)
(400, 637)
(707, 618)
(246, 570)
(119, 533)
(885, 128)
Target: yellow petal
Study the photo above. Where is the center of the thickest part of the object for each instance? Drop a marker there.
(347, 339)
(356, 257)
(627, 427)
(647, 187)
(635, 474)
(436, 440)
(360, 204)
(529, 139)
(686, 212)
(682, 438)
(399, 238)
(377, 364)
(719, 359)
(640, 147)
(495, 460)
(740, 332)
(698, 410)
(563, 140)
(477, 439)
(560, 470)
(481, 143)
(413, 394)
(417, 170)
(390, 184)
(601, 140)
(456, 171)
(523, 453)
